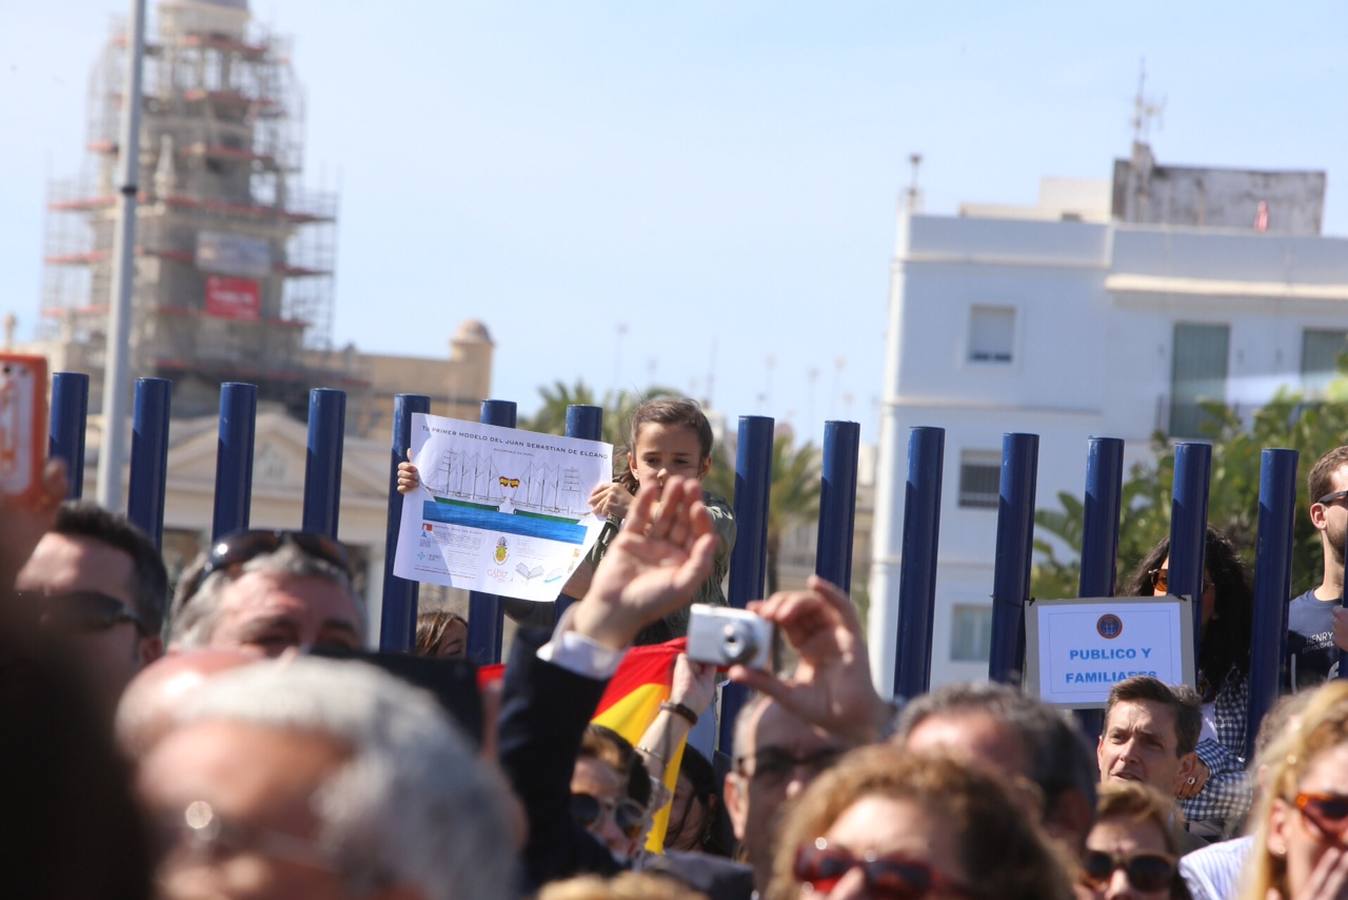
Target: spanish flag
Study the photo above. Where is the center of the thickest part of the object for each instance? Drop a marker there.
(630, 705)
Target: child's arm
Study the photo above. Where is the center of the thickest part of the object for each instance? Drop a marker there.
(610, 501)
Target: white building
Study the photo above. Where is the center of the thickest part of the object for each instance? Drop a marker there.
(1093, 313)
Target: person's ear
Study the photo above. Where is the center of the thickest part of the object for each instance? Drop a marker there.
(736, 791)
(705, 467)
(632, 464)
(1186, 768)
(1318, 518)
(1278, 822)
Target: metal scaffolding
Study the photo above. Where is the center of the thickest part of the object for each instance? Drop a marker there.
(234, 257)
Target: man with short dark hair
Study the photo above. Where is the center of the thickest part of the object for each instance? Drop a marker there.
(999, 726)
(100, 582)
(1315, 631)
(1150, 734)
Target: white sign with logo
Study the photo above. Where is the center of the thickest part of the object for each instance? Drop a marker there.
(1076, 650)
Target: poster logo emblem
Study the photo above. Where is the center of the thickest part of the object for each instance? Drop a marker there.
(1109, 626)
(502, 551)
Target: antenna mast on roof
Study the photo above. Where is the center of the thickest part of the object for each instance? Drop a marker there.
(914, 193)
(1145, 110)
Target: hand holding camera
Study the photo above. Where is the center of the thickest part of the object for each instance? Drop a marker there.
(831, 686)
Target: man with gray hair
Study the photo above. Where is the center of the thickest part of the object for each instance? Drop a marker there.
(1000, 727)
(265, 591)
(315, 778)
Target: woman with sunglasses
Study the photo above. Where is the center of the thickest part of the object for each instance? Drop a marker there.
(1216, 795)
(1132, 852)
(891, 825)
(611, 792)
(1301, 822)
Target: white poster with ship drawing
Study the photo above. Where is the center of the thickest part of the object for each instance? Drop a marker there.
(499, 510)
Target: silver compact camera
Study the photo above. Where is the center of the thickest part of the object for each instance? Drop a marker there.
(724, 636)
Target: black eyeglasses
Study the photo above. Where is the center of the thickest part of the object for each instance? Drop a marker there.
(890, 877)
(777, 764)
(627, 814)
(80, 612)
(241, 546)
(1335, 497)
(1145, 871)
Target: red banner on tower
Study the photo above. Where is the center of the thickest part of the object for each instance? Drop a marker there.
(233, 298)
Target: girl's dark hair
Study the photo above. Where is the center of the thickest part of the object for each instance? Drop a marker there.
(718, 837)
(1225, 644)
(609, 747)
(663, 411)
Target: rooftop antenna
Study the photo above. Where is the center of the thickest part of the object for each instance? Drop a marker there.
(914, 193)
(1146, 110)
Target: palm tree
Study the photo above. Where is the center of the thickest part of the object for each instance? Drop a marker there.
(551, 415)
(793, 497)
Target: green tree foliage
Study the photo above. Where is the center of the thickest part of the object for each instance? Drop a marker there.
(1233, 496)
(793, 498)
(618, 406)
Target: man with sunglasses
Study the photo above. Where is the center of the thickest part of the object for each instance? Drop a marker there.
(1316, 629)
(98, 583)
(266, 591)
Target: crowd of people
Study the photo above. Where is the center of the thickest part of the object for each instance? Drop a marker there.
(237, 740)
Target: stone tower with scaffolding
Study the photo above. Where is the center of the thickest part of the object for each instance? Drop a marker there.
(234, 259)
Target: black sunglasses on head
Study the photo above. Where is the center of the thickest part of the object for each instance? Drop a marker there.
(80, 612)
(241, 546)
(1333, 498)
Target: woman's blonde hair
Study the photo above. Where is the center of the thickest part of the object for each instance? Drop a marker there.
(1323, 724)
(993, 833)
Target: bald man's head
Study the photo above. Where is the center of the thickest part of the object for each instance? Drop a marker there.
(145, 713)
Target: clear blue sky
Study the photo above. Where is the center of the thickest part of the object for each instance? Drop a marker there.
(708, 175)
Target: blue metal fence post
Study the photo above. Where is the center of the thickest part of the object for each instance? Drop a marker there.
(149, 456)
(398, 609)
(1188, 527)
(748, 559)
(837, 503)
(323, 461)
(587, 423)
(1100, 530)
(917, 570)
(486, 615)
(65, 428)
(1272, 579)
(1015, 552)
(234, 458)
(1100, 537)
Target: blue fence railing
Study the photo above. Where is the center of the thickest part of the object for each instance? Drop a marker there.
(753, 482)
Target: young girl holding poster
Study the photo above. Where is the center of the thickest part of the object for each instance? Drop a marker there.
(666, 437)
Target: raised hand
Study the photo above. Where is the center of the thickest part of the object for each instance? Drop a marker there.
(693, 684)
(653, 566)
(831, 687)
(24, 522)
